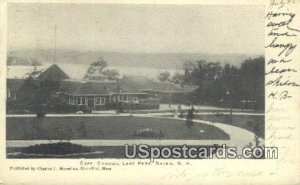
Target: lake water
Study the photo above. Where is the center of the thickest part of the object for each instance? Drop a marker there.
(77, 71)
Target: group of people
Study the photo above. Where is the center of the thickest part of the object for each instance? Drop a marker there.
(190, 113)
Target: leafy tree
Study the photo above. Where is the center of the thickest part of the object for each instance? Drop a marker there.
(164, 76)
(217, 84)
(111, 74)
(229, 85)
(98, 71)
(35, 72)
(205, 76)
(188, 67)
(252, 75)
(178, 78)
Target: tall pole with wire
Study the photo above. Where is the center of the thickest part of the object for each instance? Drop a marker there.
(229, 93)
(230, 116)
(54, 56)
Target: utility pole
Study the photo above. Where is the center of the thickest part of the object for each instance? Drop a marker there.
(169, 94)
(118, 91)
(229, 93)
(54, 56)
(230, 119)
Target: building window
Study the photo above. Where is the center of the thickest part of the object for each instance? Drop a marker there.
(78, 101)
(99, 101)
(84, 101)
(122, 98)
(81, 101)
(71, 100)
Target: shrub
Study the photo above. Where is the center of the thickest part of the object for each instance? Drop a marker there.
(60, 148)
(145, 132)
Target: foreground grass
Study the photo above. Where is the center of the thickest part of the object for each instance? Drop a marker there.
(253, 123)
(115, 152)
(110, 128)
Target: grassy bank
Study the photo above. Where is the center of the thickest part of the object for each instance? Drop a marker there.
(110, 128)
(252, 123)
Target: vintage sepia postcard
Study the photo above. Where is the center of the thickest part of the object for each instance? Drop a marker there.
(179, 92)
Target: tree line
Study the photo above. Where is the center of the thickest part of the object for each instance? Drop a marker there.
(226, 85)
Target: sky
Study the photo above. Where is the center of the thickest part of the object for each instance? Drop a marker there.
(138, 28)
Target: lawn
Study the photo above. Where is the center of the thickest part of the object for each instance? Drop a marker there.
(107, 128)
(252, 123)
(117, 152)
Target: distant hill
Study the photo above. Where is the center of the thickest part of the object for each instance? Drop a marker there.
(22, 61)
(149, 60)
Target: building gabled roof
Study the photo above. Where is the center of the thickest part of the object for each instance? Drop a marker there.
(53, 73)
(88, 87)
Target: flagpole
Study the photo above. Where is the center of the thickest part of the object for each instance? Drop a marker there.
(54, 56)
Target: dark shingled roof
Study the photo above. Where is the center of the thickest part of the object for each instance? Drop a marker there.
(88, 87)
(53, 73)
(126, 85)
